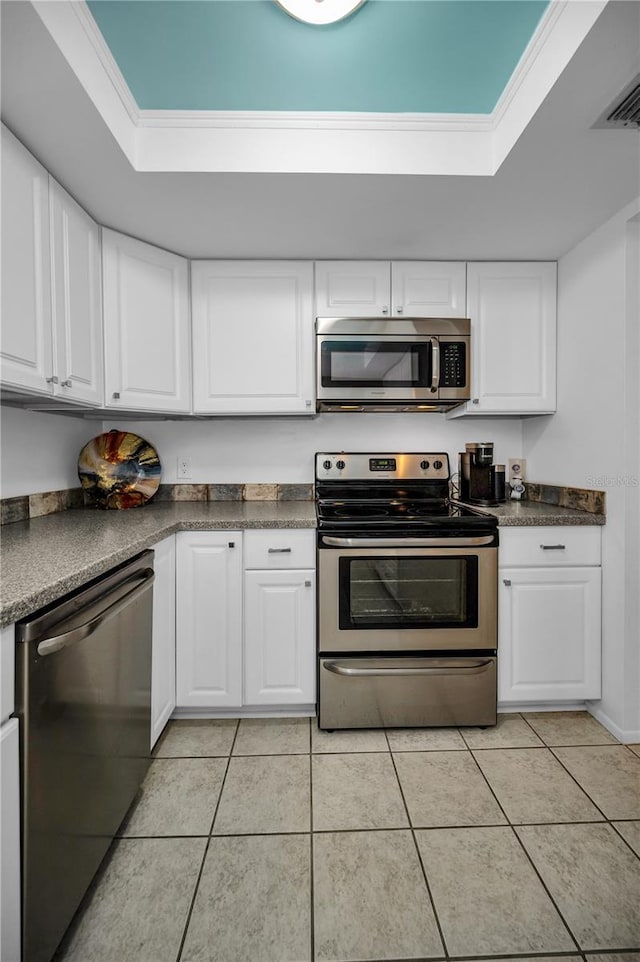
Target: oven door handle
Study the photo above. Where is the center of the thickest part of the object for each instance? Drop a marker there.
(471, 667)
(407, 542)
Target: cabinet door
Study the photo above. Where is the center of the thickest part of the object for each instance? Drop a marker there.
(209, 619)
(163, 653)
(513, 337)
(76, 299)
(146, 325)
(549, 634)
(253, 337)
(10, 843)
(429, 288)
(353, 288)
(26, 355)
(279, 638)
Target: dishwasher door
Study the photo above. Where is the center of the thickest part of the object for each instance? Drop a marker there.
(84, 704)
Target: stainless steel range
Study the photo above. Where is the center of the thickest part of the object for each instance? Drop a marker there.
(407, 624)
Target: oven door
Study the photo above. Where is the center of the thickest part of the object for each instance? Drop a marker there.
(407, 594)
(362, 367)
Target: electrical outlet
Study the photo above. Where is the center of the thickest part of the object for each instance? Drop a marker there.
(184, 468)
(517, 468)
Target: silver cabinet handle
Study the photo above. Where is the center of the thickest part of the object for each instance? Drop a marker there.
(476, 401)
(464, 668)
(307, 584)
(67, 383)
(507, 582)
(116, 395)
(553, 547)
(435, 367)
(232, 544)
(399, 310)
(406, 542)
(52, 380)
(278, 550)
(385, 310)
(50, 645)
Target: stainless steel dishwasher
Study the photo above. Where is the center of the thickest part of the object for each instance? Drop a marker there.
(83, 687)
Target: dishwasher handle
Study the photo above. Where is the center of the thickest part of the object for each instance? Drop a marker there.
(142, 580)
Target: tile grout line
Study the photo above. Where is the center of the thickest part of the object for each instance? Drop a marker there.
(206, 850)
(312, 915)
(417, 849)
(530, 860)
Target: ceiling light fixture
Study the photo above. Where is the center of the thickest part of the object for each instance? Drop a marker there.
(319, 12)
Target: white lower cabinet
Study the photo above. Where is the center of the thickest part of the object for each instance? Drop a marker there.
(245, 638)
(279, 637)
(209, 619)
(549, 617)
(163, 653)
(10, 842)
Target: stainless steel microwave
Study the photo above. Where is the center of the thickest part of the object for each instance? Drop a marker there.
(389, 364)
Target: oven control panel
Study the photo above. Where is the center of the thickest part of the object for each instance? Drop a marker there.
(340, 466)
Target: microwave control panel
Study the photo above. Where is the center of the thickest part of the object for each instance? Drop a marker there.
(453, 363)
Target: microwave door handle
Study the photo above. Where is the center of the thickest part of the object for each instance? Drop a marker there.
(435, 364)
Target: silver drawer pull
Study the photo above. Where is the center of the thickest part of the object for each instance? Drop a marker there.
(279, 550)
(467, 668)
(553, 547)
(506, 582)
(307, 584)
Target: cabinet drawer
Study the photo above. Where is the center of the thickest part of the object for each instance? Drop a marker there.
(550, 545)
(280, 548)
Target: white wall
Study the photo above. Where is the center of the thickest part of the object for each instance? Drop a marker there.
(592, 441)
(39, 452)
(234, 450)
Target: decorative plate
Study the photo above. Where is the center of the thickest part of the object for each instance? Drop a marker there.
(119, 470)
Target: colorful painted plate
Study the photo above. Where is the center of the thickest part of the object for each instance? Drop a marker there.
(119, 470)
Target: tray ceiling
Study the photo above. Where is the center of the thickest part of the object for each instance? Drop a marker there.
(390, 56)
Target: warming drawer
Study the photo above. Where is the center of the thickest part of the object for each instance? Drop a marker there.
(392, 692)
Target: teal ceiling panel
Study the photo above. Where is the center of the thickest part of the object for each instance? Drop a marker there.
(433, 56)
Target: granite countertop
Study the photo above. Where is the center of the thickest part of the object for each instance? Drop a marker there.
(528, 513)
(45, 558)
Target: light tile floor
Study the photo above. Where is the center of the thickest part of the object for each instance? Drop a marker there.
(270, 841)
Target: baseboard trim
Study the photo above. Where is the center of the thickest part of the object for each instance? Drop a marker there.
(299, 711)
(630, 737)
(520, 706)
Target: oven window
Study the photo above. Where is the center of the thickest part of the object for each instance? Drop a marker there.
(409, 592)
(374, 364)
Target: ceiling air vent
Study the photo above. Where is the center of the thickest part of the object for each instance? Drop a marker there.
(624, 112)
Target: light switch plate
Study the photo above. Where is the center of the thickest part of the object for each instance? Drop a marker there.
(517, 468)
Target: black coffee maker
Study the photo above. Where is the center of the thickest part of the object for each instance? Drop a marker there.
(481, 481)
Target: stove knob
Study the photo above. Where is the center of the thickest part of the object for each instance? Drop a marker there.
(340, 465)
(424, 465)
(437, 465)
(326, 465)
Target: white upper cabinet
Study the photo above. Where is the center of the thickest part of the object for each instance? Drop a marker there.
(397, 289)
(146, 320)
(428, 289)
(26, 356)
(253, 337)
(353, 288)
(76, 299)
(512, 307)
